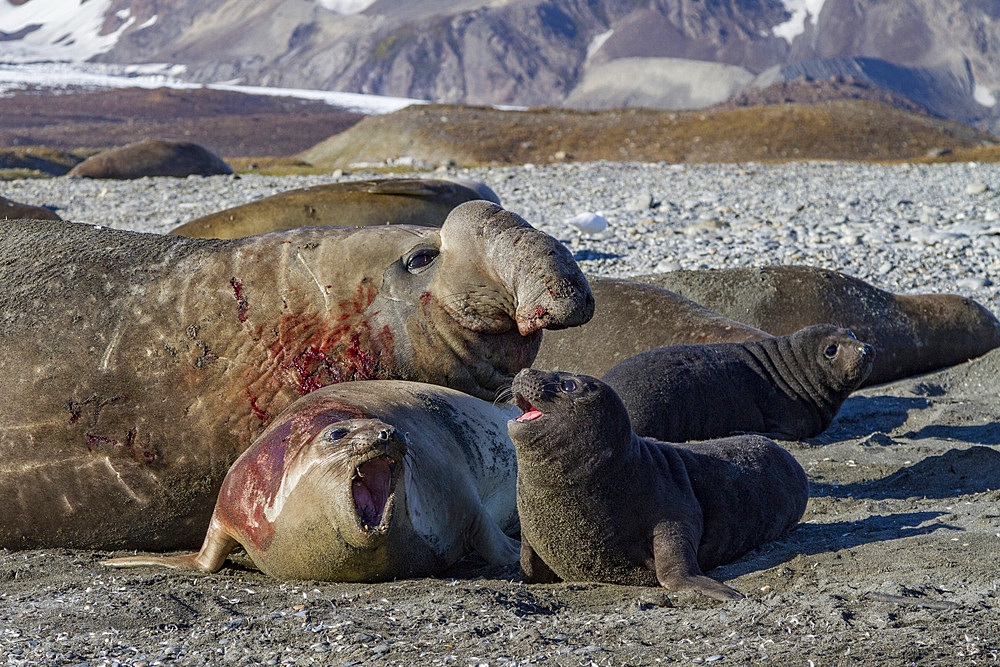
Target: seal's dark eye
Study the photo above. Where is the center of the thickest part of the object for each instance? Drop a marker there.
(421, 258)
(831, 351)
(336, 434)
(568, 386)
(851, 335)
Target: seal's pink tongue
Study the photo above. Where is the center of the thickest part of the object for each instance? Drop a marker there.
(371, 486)
(529, 410)
(533, 413)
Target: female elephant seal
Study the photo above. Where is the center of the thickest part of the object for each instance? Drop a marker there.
(912, 333)
(367, 481)
(599, 503)
(789, 387)
(135, 368)
(399, 201)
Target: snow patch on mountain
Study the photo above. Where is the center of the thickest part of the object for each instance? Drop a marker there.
(984, 96)
(66, 30)
(347, 6)
(72, 76)
(597, 42)
(800, 11)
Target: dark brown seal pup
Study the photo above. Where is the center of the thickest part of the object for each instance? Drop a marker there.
(367, 481)
(398, 201)
(12, 210)
(599, 503)
(912, 333)
(135, 368)
(789, 387)
(152, 157)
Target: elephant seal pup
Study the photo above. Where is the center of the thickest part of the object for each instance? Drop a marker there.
(789, 387)
(399, 201)
(912, 333)
(367, 481)
(135, 368)
(152, 157)
(599, 503)
(632, 317)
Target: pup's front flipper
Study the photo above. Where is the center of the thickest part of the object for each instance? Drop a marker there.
(677, 569)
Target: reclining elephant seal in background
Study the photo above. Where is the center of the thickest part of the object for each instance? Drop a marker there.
(632, 317)
(406, 201)
(135, 368)
(12, 210)
(152, 157)
(599, 503)
(789, 387)
(912, 333)
(367, 481)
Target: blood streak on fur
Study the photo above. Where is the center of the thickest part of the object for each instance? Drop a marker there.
(261, 414)
(245, 503)
(308, 350)
(241, 302)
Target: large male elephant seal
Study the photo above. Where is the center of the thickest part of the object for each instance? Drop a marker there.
(152, 157)
(367, 481)
(912, 333)
(135, 368)
(12, 210)
(400, 201)
(789, 387)
(598, 503)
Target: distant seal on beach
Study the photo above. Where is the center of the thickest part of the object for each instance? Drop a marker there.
(400, 201)
(135, 368)
(599, 503)
(789, 387)
(152, 157)
(912, 333)
(367, 481)
(12, 210)
(632, 317)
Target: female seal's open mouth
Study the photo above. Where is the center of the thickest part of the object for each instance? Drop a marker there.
(529, 411)
(372, 487)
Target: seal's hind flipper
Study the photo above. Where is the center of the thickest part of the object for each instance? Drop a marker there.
(217, 545)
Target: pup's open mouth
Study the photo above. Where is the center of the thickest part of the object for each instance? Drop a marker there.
(372, 486)
(529, 411)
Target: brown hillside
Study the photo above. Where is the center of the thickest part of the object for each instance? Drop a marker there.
(841, 130)
(227, 123)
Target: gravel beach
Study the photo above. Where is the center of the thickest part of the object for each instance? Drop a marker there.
(892, 564)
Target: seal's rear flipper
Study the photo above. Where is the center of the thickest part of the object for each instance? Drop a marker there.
(214, 550)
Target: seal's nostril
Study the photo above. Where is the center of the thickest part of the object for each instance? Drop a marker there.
(383, 434)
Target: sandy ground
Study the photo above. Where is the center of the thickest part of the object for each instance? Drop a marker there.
(893, 563)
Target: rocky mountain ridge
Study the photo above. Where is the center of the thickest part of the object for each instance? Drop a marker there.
(591, 54)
